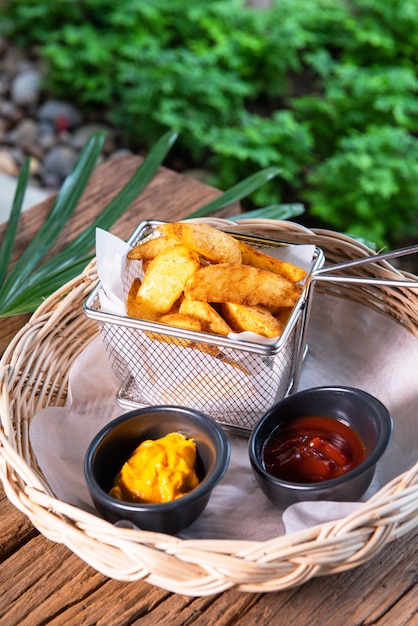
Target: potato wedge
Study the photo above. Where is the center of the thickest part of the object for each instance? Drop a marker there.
(213, 244)
(131, 297)
(149, 250)
(256, 258)
(209, 319)
(176, 341)
(242, 284)
(181, 321)
(166, 278)
(282, 315)
(251, 318)
(137, 309)
(145, 264)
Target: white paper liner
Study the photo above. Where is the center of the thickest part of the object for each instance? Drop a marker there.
(349, 344)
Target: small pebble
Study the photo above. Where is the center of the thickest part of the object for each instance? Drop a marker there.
(49, 130)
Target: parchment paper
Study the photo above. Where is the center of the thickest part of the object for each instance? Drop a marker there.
(349, 344)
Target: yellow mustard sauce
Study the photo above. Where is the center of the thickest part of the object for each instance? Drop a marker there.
(159, 470)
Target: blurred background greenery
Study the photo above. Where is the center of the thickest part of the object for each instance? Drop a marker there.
(324, 89)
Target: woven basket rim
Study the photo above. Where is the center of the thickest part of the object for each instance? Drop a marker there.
(186, 566)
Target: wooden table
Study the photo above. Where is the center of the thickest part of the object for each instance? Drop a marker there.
(44, 583)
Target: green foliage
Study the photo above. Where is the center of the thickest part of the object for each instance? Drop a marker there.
(314, 87)
(370, 179)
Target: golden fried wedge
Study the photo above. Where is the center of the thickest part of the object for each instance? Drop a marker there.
(137, 309)
(242, 284)
(256, 258)
(251, 318)
(282, 315)
(213, 244)
(209, 319)
(166, 277)
(148, 250)
(181, 321)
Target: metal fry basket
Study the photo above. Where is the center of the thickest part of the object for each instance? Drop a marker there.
(234, 381)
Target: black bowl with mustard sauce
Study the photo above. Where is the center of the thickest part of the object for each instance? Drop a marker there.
(320, 444)
(117, 443)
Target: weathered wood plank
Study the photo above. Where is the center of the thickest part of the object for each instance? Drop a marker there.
(363, 595)
(403, 613)
(53, 578)
(15, 528)
(60, 588)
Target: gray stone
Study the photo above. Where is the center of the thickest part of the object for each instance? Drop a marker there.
(25, 87)
(60, 160)
(82, 134)
(47, 138)
(49, 179)
(10, 111)
(24, 133)
(61, 114)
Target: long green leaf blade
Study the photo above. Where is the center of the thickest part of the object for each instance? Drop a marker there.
(61, 210)
(272, 212)
(6, 247)
(82, 244)
(32, 297)
(123, 199)
(237, 192)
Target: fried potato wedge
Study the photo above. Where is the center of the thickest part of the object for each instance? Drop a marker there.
(180, 320)
(149, 250)
(145, 264)
(251, 318)
(242, 284)
(209, 319)
(166, 278)
(210, 243)
(177, 341)
(282, 315)
(140, 310)
(256, 258)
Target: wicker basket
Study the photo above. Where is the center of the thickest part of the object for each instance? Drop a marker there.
(34, 374)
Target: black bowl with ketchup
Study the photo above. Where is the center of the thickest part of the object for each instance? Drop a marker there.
(320, 444)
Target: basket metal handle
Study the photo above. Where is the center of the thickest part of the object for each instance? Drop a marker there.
(327, 274)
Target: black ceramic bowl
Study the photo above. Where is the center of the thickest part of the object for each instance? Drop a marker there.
(113, 445)
(361, 411)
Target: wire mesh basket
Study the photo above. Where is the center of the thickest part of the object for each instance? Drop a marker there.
(234, 381)
(34, 374)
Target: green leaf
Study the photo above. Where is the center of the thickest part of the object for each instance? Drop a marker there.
(82, 244)
(6, 247)
(273, 212)
(63, 207)
(237, 192)
(31, 298)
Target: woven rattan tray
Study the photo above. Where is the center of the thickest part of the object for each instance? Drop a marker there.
(34, 374)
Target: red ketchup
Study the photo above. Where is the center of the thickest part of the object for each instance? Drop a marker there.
(312, 449)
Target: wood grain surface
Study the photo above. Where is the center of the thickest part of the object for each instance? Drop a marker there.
(43, 582)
